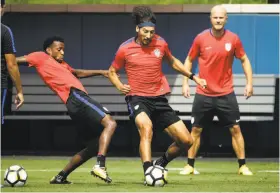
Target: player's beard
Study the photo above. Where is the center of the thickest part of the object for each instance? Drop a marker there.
(146, 41)
(60, 60)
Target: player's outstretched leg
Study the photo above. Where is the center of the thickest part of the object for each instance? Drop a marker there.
(59, 180)
(76, 161)
(99, 170)
(183, 140)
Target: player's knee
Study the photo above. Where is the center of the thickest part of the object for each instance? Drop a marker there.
(189, 141)
(186, 141)
(235, 130)
(89, 151)
(196, 131)
(147, 136)
(110, 123)
(113, 124)
(146, 133)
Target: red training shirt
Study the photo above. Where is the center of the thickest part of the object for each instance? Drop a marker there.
(58, 76)
(215, 59)
(143, 66)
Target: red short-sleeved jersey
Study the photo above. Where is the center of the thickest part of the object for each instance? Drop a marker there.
(143, 65)
(215, 59)
(58, 76)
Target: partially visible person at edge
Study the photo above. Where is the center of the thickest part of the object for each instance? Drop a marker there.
(9, 67)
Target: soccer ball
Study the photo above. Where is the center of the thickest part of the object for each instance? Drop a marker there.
(156, 176)
(15, 176)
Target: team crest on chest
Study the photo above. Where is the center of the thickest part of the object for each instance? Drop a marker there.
(157, 52)
(228, 46)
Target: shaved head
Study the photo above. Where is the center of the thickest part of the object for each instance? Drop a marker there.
(218, 9)
(218, 18)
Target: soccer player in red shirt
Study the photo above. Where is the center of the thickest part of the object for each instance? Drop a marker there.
(216, 49)
(147, 87)
(83, 110)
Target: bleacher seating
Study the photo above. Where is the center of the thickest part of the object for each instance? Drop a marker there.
(42, 103)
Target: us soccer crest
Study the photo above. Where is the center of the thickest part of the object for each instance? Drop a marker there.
(228, 46)
(157, 52)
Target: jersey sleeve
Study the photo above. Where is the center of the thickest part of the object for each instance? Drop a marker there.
(119, 60)
(239, 51)
(69, 67)
(9, 42)
(195, 48)
(33, 59)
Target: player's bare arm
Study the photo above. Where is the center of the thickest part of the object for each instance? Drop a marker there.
(114, 78)
(15, 76)
(179, 67)
(21, 60)
(248, 92)
(81, 73)
(186, 87)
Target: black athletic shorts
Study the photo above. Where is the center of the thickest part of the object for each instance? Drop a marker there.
(157, 108)
(224, 107)
(85, 112)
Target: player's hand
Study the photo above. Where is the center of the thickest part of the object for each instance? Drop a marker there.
(186, 90)
(248, 92)
(200, 81)
(124, 88)
(19, 100)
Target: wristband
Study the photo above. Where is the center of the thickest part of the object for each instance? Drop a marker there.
(191, 76)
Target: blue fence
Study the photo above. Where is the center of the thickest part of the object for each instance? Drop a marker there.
(92, 39)
(260, 37)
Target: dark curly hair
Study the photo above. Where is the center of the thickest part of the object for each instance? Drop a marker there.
(48, 42)
(142, 14)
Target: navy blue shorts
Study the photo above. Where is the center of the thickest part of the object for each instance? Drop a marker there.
(85, 112)
(3, 99)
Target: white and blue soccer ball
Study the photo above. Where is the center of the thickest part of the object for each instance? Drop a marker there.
(15, 176)
(156, 176)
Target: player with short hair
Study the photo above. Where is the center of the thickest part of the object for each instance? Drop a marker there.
(63, 80)
(216, 48)
(147, 87)
(9, 67)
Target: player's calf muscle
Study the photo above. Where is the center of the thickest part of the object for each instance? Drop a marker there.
(180, 134)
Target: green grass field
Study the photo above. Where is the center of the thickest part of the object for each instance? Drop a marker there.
(136, 1)
(215, 176)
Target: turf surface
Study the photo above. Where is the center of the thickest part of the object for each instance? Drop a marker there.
(215, 176)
